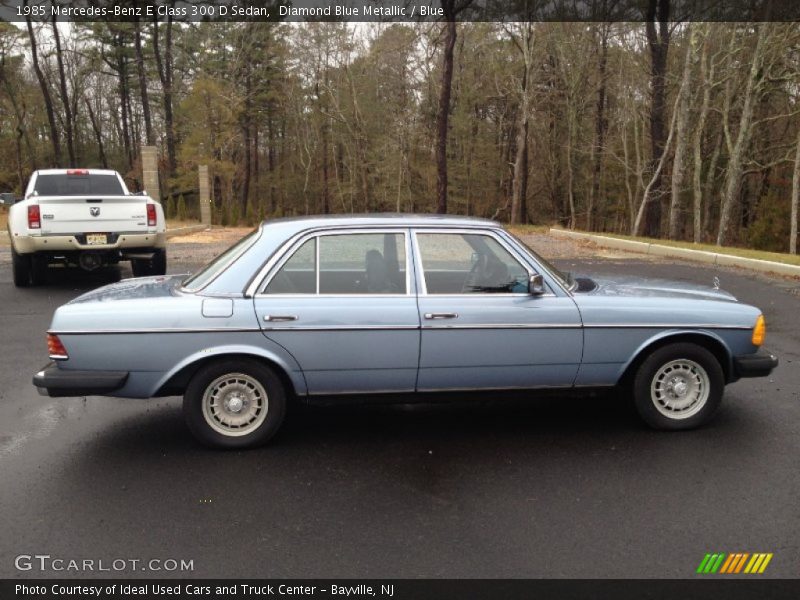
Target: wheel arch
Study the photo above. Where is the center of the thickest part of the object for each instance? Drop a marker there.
(705, 339)
(176, 380)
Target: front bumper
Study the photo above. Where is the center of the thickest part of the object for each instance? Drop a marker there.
(56, 383)
(759, 364)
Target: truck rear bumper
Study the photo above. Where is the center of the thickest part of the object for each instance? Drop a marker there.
(54, 382)
(72, 243)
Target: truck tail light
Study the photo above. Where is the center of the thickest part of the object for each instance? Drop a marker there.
(55, 348)
(759, 331)
(34, 217)
(151, 215)
(77, 172)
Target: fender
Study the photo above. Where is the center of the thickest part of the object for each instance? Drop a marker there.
(664, 335)
(283, 360)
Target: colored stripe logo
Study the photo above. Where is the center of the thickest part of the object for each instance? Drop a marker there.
(734, 563)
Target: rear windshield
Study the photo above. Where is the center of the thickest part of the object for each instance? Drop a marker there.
(78, 185)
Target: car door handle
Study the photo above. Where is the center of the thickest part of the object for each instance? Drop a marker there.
(279, 318)
(441, 315)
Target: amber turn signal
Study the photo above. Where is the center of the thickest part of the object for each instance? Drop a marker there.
(759, 331)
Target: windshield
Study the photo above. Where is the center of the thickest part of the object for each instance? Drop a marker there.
(82, 184)
(565, 278)
(205, 275)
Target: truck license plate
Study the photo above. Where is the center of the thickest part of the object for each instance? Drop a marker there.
(96, 238)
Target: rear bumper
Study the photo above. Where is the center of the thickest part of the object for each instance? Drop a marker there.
(66, 243)
(54, 382)
(759, 364)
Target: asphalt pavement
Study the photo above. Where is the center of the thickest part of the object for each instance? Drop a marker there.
(520, 487)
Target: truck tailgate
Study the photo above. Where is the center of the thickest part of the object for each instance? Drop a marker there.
(75, 214)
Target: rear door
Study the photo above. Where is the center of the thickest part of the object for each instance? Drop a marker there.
(343, 304)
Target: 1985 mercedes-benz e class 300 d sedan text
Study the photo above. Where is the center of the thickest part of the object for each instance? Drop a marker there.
(395, 304)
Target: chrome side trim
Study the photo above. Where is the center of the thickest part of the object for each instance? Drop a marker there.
(156, 330)
(341, 327)
(663, 326)
(507, 326)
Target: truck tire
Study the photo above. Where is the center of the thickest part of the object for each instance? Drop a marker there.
(157, 265)
(21, 265)
(38, 269)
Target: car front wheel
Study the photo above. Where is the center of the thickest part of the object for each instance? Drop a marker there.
(678, 386)
(234, 403)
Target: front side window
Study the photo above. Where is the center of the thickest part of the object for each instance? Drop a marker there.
(462, 263)
(353, 263)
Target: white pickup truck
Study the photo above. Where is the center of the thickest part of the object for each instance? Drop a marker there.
(84, 217)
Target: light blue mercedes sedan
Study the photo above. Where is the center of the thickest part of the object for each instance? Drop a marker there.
(322, 307)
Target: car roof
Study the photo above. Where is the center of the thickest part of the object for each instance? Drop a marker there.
(291, 225)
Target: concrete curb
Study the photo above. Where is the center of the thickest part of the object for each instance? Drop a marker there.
(755, 264)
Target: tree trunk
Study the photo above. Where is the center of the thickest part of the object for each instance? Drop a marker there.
(733, 175)
(148, 126)
(97, 133)
(444, 106)
(658, 42)
(601, 126)
(62, 78)
(681, 141)
(48, 101)
(165, 75)
(697, 146)
(795, 195)
(519, 181)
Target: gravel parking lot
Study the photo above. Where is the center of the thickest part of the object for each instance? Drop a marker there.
(511, 487)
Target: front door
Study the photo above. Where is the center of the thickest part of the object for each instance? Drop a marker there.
(342, 303)
(481, 329)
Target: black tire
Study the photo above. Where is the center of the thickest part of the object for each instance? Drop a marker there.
(147, 267)
(657, 398)
(198, 414)
(39, 266)
(21, 267)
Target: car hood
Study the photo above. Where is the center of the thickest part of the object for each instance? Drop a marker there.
(129, 289)
(656, 288)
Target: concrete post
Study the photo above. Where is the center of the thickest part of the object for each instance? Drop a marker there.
(205, 196)
(150, 172)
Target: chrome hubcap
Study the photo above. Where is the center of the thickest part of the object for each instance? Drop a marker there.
(235, 404)
(680, 389)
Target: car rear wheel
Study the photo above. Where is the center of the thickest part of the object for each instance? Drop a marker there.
(678, 386)
(234, 403)
(146, 267)
(21, 266)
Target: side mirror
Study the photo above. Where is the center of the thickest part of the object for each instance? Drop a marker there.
(7, 198)
(536, 285)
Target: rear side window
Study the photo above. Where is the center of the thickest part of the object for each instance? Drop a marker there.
(63, 184)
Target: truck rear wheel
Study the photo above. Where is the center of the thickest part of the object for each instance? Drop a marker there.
(21, 265)
(144, 267)
(38, 269)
